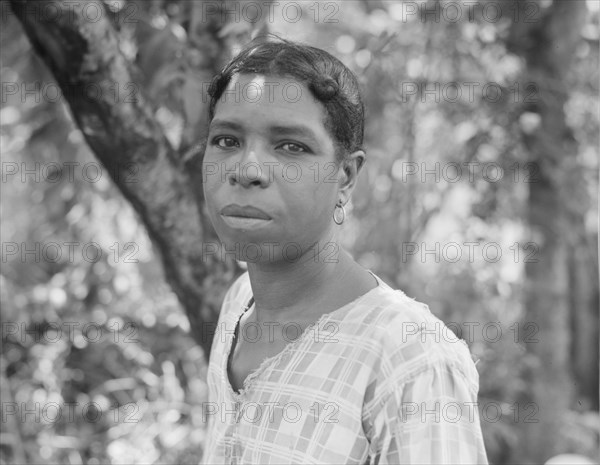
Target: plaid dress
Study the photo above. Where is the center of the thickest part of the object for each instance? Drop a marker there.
(380, 380)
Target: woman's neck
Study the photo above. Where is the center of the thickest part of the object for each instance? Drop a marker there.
(302, 291)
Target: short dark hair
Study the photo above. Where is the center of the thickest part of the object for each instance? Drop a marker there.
(329, 80)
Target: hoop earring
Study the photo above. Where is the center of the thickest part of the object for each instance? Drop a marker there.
(341, 207)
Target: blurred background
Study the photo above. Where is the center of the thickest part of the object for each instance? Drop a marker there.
(479, 198)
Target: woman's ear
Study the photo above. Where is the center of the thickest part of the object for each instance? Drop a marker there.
(351, 166)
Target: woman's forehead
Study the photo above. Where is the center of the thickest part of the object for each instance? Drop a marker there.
(265, 88)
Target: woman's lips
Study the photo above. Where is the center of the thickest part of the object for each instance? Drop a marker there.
(246, 211)
(240, 222)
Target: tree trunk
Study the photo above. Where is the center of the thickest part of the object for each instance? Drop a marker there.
(585, 302)
(548, 46)
(119, 126)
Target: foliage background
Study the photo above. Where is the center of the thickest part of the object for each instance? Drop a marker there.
(148, 379)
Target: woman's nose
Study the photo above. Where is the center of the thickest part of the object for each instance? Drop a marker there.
(250, 169)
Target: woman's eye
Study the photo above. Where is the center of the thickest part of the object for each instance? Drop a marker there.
(225, 142)
(294, 148)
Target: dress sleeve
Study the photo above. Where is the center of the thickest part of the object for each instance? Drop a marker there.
(430, 418)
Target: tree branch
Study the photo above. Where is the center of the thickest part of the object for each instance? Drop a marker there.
(119, 126)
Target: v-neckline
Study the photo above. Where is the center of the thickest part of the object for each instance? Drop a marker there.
(230, 348)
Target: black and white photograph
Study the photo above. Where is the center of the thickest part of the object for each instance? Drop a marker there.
(264, 232)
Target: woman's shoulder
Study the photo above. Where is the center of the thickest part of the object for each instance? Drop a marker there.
(404, 334)
(386, 310)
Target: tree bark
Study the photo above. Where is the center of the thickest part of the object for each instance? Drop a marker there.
(119, 126)
(548, 47)
(585, 302)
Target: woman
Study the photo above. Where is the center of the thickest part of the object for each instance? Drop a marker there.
(315, 359)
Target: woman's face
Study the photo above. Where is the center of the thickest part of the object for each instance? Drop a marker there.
(268, 149)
